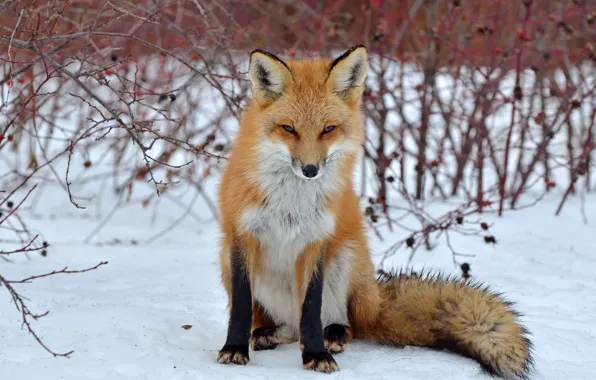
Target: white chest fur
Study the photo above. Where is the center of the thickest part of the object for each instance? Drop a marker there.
(293, 213)
(292, 216)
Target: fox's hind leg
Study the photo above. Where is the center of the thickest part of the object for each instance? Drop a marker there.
(336, 338)
(266, 335)
(269, 337)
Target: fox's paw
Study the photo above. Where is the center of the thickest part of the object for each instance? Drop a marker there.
(319, 362)
(336, 338)
(264, 338)
(233, 354)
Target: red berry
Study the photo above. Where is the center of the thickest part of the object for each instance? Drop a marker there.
(520, 33)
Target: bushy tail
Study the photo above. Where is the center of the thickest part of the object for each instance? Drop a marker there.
(457, 315)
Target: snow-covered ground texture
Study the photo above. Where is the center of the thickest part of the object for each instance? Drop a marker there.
(124, 320)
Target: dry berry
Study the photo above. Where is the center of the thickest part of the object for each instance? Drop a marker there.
(465, 270)
(44, 252)
(368, 211)
(410, 242)
(87, 163)
(490, 240)
(390, 179)
(162, 98)
(459, 219)
(9, 204)
(484, 226)
(219, 147)
(374, 218)
(517, 93)
(172, 97)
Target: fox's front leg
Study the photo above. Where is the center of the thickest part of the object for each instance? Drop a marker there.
(235, 349)
(314, 354)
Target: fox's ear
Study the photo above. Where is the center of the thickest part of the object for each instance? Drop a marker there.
(269, 76)
(347, 73)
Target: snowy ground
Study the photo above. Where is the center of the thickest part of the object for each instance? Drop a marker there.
(124, 319)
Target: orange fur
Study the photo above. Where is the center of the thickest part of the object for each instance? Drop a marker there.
(434, 312)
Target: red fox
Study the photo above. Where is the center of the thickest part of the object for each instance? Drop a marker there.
(294, 257)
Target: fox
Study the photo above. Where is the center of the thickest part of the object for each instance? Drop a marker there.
(294, 258)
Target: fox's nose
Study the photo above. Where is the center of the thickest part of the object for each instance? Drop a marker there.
(310, 171)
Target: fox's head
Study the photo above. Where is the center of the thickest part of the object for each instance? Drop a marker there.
(305, 114)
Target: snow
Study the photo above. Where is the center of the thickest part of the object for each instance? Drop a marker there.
(124, 320)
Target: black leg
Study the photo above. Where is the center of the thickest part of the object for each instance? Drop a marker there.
(336, 338)
(235, 349)
(314, 355)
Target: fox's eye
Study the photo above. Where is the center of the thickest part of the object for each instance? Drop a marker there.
(288, 129)
(329, 129)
